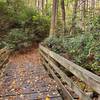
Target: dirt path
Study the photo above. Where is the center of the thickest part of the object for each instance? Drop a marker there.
(26, 79)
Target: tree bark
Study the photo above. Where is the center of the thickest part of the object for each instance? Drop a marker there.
(74, 16)
(43, 6)
(54, 18)
(93, 7)
(63, 16)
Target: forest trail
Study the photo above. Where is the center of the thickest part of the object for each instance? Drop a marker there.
(26, 79)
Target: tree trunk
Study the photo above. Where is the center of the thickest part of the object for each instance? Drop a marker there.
(53, 18)
(38, 5)
(93, 7)
(84, 9)
(73, 30)
(43, 6)
(63, 16)
(34, 4)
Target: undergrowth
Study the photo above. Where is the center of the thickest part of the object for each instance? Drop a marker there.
(84, 49)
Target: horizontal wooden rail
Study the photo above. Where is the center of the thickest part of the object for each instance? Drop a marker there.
(4, 56)
(67, 95)
(65, 78)
(3, 50)
(86, 76)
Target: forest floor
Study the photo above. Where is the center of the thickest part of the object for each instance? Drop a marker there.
(26, 79)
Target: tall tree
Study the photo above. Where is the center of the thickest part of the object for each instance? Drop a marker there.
(84, 8)
(42, 4)
(63, 15)
(54, 17)
(93, 6)
(74, 16)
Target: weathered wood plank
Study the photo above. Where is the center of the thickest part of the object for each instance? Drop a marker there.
(70, 83)
(89, 78)
(67, 95)
(4, 56)
(4, 62)
(3, 50)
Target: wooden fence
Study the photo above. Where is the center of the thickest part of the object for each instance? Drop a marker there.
(4, 58)
(54, 63)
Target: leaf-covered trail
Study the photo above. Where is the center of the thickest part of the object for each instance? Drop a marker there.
(26, 79)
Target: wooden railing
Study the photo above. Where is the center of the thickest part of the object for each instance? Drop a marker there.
(4, 58)
(54, 63)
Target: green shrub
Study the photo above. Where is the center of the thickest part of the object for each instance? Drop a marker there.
(16, 10)
(80, 47)
(55, 44)
(93, 24)
(25, 14)
(17, 39)
(38, 27)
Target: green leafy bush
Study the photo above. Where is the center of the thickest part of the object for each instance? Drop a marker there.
(55, 44)
(93, 24)
(84, 49)
(25, 14)
(16, 10)
(17, 39)
(3, 7)
(33, 27)
(38, 27)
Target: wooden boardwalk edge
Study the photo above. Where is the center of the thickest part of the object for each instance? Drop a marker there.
(86, 76)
